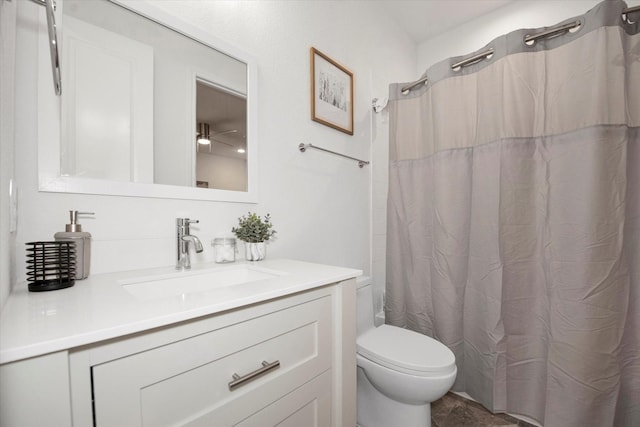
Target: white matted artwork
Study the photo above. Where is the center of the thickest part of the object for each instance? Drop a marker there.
(331, 93)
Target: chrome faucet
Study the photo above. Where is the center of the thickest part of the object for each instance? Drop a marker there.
(183, 238)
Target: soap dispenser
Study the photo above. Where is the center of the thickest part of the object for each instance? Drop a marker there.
(74, 233)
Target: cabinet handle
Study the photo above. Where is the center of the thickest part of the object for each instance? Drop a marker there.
(266, 367)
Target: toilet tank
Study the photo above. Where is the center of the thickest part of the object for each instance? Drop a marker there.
(364, 304)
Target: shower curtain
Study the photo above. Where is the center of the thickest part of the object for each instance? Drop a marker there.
(514, 220)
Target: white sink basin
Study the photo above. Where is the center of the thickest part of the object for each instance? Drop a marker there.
(195, 282)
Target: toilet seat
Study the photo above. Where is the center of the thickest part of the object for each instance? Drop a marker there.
(406, 351)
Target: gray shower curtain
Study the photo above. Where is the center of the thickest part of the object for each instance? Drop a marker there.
(514, 221)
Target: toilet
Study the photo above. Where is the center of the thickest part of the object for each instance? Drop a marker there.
(400, 372)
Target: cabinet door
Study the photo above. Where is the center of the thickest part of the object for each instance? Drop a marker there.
(187, 381)
(35, 392)
(307, 406)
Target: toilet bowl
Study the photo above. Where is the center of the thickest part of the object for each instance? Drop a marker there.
(400, 372)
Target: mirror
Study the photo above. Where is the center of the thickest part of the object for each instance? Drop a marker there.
(147, 109)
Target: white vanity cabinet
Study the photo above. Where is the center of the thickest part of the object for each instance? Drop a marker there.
(186, 380)
(286, 360)
(181, 375)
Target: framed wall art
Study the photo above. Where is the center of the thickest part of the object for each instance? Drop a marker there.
(331, 93)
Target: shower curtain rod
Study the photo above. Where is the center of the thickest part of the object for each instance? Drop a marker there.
(410, 86)
(553, 32)
(528, 39)
(629, 10)
(460, 64)
(472, 59)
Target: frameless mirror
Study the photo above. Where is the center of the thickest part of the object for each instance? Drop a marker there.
(150, 106)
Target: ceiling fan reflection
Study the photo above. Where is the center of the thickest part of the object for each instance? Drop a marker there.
(205, 137)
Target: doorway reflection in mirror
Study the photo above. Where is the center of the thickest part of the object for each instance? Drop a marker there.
(221, 158)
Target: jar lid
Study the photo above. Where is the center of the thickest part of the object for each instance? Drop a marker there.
(224, 241)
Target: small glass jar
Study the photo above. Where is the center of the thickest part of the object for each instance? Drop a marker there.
(225, 249)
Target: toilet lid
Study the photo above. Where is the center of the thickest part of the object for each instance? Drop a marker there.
(405, 350)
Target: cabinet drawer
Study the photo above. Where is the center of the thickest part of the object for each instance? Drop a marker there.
(307, 406)
(188, 380)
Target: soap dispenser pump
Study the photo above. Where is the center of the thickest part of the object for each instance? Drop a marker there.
(74, 233)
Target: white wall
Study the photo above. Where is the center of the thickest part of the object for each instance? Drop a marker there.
(320, 204)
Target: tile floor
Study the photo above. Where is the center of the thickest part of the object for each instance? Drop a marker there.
(455, 411)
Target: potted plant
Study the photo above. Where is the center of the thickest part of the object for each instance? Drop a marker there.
(254, 231)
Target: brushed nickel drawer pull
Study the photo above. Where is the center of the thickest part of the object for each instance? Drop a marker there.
(266, 367)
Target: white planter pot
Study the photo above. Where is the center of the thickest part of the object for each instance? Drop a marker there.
(255, 251)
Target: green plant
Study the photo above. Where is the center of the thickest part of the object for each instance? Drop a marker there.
(253, 229)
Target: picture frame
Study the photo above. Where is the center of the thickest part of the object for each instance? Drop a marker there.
(331, 93)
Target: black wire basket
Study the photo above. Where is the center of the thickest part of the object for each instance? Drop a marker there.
(51, 265)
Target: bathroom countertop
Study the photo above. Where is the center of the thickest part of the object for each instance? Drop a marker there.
(99, 308)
